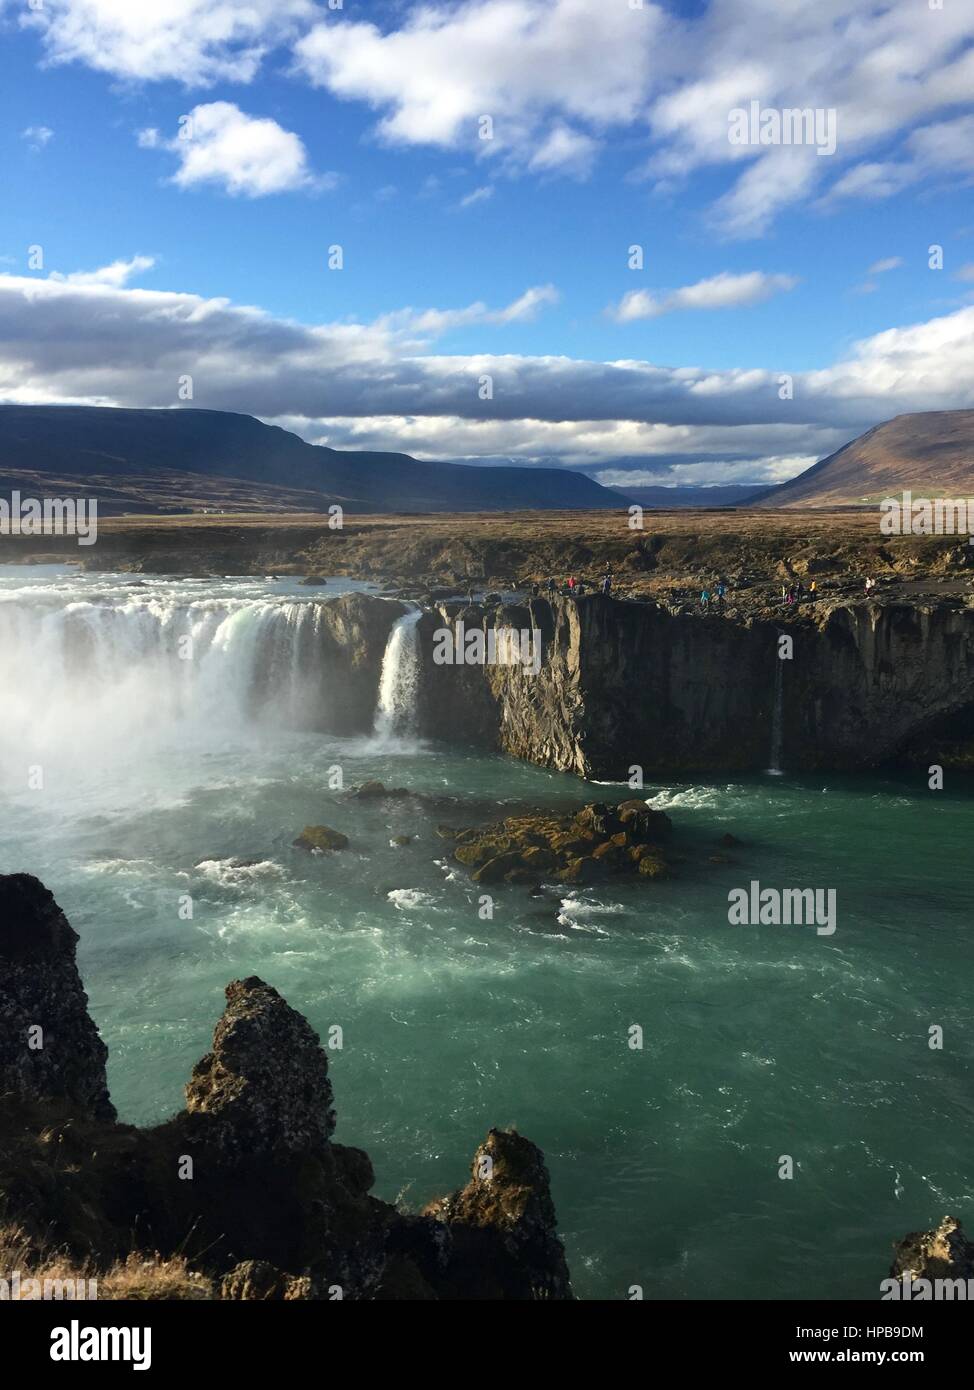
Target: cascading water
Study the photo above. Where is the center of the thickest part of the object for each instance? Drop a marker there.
(395, 715)
(87, 665)
(777, 735)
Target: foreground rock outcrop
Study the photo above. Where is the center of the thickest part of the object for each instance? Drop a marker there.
(244, 1194)
(49, 1047)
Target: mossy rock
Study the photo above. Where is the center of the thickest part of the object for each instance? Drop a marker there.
(473, 854)
(607, 854)
(496, 870)
(538, 859)
(580, 870)
(650, 866)
(321, 838)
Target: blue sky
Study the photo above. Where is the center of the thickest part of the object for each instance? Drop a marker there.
(360, 126)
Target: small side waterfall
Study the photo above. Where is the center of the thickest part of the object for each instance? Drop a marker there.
(777, 732)
(395, 714)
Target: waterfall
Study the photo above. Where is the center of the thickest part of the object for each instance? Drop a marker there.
(774, 769)
(88, 666)
(395, 715)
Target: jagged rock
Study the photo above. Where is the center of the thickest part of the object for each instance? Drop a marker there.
(943, 1253)
(275, 1208)
(321, 839)
(502, 1224)
(265, 1085)
(40, 989)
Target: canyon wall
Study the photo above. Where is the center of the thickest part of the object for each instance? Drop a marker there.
(631, 683)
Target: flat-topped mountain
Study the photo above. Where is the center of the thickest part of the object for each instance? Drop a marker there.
(930, 454)
(149, 461)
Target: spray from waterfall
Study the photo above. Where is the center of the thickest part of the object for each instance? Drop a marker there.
(88, 668)
(396, 710)
(777, 721)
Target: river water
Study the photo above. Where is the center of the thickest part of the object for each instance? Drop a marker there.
(163, 780)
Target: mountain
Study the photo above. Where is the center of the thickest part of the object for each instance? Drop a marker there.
(679, 498)
(192, 460)
(930, 454)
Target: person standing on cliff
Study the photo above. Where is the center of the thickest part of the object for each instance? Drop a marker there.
(705, 600)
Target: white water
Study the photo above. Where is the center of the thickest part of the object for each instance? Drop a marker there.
(92, 667)
(395, 715)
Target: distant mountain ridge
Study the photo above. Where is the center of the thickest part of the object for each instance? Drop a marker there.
(693, 496)
(930, 454)
(174, 460)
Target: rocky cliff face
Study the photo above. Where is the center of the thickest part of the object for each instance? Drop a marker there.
(353, 630)
(631, 683)
(49, 1048)
(246, 1185)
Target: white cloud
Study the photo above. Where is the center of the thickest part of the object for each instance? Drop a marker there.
(559, 78)
(536, 67)
(881, 68)
(413, 328)
(197, 42)
(565, 151)
(116, 275)
(686, 453)
(871, 181)
(724, 291)
(946, 147)
(89, 339)
(479, 195)
(882, 267)
(773, 469)
(37, 136)
(249, 156)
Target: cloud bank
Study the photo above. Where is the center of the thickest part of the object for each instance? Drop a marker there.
(90, 337)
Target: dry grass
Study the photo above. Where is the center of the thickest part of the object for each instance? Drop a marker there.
(153, 1278)
(139, 1277)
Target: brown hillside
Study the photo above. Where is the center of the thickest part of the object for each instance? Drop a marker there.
(929, 454)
